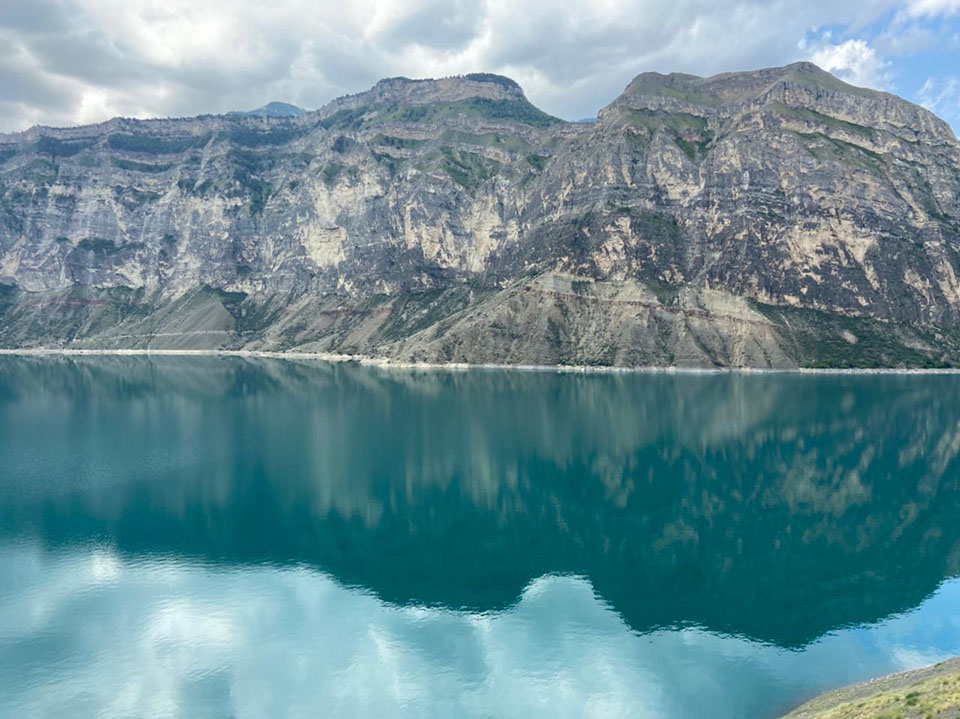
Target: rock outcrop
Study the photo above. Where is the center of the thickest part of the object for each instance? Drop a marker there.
(767, 219)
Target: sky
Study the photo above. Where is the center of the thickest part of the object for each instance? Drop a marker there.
(68, 62)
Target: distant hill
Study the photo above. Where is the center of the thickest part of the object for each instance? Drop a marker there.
(271, 109)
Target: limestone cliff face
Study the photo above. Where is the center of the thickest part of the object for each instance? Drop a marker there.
(772, 218)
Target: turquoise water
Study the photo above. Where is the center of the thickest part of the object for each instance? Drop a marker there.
(211, 537)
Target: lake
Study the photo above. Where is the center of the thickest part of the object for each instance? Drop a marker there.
(228, 537)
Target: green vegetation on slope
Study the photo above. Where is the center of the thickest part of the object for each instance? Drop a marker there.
(822, 340)
(468, 169)
(251, 137)
(154, 145)
(122, 164)
(513, 110)
(62, 148)
(818, 118)
(689, 132)
(345, 119)
(495, 140)
(104, 247)
(931, 693)
(330, 173)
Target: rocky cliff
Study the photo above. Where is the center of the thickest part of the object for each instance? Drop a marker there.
(771, 218)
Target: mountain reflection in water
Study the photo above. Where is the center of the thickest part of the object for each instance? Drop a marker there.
(753, 511)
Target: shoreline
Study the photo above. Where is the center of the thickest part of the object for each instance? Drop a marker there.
(386, 363)
(928, 691)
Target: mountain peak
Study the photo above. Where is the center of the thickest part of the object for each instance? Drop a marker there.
(738, 85)
(271, 109)
(805, 67)
(799, 86)
(480, 96)
(447, 89)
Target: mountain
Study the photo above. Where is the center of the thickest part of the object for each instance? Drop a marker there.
(271, 109)
(772, 218)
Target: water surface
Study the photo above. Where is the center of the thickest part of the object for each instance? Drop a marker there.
(222, 537)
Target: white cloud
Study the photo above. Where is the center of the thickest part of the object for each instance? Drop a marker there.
(177, 638)
(851, 60)
(176, 57)
(933, 8)
(941, 95)
(76, 61)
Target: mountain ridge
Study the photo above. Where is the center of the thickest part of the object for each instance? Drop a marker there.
(777, 217)
(508, 88)
(490, 78)
(271, 109)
